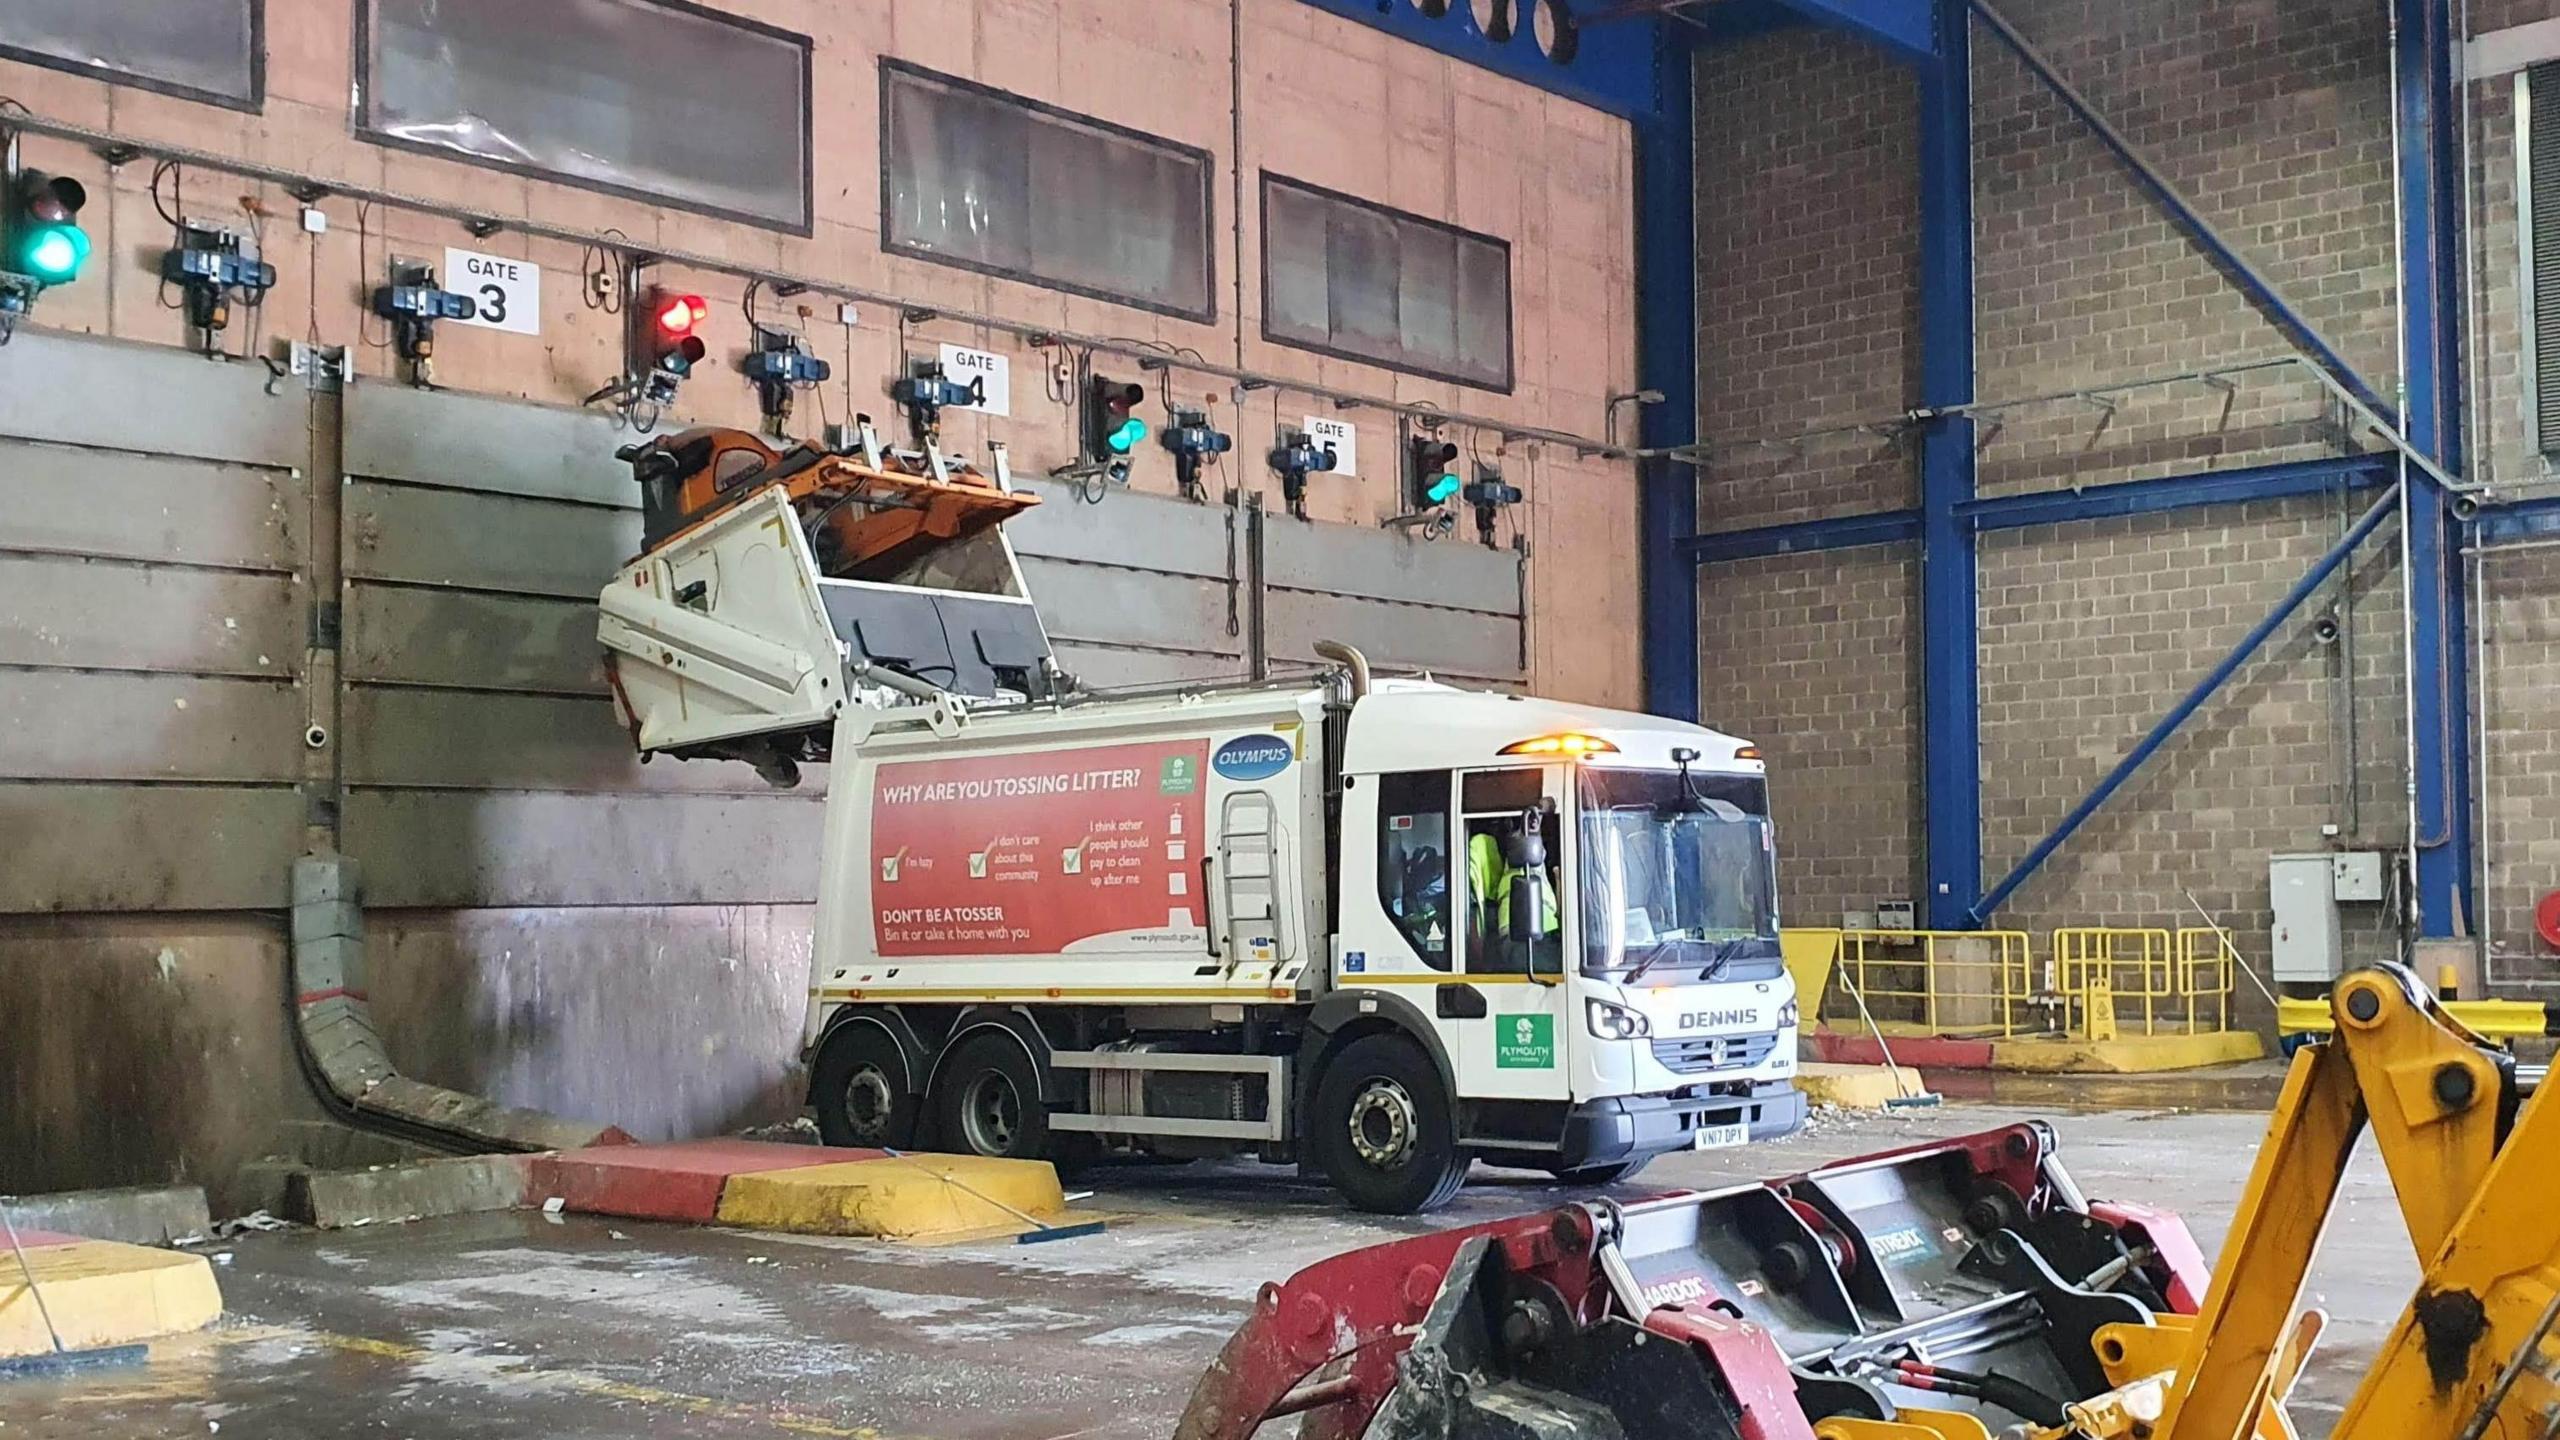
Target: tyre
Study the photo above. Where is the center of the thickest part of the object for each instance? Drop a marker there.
(859, 1089)
(1384, 1130)
(986, 1101)
(1603, 1174)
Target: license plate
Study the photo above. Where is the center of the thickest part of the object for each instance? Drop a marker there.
(1721, 1137)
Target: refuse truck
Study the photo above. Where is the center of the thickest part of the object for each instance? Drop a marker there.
(1375, 926)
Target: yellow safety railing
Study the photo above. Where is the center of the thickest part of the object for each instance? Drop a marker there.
(2099, 967)
(2096, 982)
(1942, 982)
(2208, 963)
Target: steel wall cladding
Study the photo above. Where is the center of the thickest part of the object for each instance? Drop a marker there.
(57, 388)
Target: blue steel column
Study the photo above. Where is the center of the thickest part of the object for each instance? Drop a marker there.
(1951, 701)
(2431, 242)
(1667, 343)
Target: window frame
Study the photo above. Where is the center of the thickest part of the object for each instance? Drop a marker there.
(366, 131)
(2530, 282)
(254, 104)
(1198, 154)
(1510, 304)
(1450, 866)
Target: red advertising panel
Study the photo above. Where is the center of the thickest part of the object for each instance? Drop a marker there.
(1039, 854)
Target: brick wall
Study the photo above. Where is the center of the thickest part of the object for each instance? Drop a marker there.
(1805, 294)
(2275, 119)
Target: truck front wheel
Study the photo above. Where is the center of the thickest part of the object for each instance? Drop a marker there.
(859, 1089)
(1384, 1129)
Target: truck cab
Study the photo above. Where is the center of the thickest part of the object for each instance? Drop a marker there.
(1579, 904)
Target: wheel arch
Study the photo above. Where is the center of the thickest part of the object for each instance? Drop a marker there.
(887, 1019)
(1011, 1021)
(1347, 1015)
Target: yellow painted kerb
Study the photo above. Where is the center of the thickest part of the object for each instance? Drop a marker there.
(101, 1293)
(919, 1197)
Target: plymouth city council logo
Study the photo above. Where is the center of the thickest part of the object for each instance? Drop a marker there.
(1252, 757)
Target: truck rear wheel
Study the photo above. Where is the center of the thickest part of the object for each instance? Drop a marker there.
(1384, 1130)
(986, 1101)
(859, 1089)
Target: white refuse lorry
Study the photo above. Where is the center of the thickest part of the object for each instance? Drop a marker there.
(1380, 928)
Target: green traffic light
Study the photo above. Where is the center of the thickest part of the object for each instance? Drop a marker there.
(1126, 438)
(53, 253)
(1442, 488)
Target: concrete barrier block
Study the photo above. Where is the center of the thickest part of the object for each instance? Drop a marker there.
(455, 1185)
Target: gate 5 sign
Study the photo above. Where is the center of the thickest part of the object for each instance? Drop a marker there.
(507, 291)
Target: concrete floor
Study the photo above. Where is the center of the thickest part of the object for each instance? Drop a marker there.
(521, 1325)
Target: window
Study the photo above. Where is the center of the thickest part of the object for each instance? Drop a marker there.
(209, 50)
(1364, 282)
(1413, 859)
(987, 181)
(1515, 844)
(647, 98)
(2538, 220)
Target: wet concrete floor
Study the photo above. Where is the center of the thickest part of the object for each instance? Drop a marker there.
(524, 1325)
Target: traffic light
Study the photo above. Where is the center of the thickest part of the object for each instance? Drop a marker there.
(1430, 473)
(1112, 429)
(670, 345)
(45, 241)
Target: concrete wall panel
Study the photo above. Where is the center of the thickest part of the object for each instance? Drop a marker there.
(109, 615)
(96, 725)
(109, 847)
(468, 850)
(163, 508)
(469, 640)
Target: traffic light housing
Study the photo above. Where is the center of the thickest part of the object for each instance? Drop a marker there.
(670, 343)
(45, 241)
(1430, 472)
(1112, 429)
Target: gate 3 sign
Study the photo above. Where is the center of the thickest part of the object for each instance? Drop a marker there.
(506, 292)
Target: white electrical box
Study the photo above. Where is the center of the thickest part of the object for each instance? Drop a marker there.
(2304, 889)
(1896, 915)
(2356, 875)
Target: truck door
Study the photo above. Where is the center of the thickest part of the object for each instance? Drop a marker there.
(1245, 881)
(1514, 1012)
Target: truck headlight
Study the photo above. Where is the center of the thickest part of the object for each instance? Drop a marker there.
(1617, 1022)
(1786, 1015)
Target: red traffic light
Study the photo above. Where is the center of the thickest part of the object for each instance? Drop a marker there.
(52, 199)
(1119, 399)
(677, 315)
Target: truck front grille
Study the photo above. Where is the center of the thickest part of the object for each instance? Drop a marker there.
(1700, 1054)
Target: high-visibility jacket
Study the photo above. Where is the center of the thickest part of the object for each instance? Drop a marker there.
(1489, 882)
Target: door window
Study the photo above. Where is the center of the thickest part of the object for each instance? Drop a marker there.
(1414, 860)
(1514, 854)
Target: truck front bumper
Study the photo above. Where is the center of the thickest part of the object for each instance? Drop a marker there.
(1604, 1132)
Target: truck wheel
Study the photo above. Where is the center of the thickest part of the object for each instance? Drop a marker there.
(1384, 1129)
(1603, 1174)
(859, 1089)
(986, 1101)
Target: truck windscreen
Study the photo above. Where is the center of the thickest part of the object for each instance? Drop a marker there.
(1678, 872)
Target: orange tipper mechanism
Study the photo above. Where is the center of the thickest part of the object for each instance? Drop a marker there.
(775, 587)
(867, 514)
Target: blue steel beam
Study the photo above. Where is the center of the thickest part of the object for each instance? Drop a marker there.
(1667, 360)
(2257, 287)
(2536, 519)
(2431, 240)
(1906, 28)
(2181, 492)
(1951, 679)
(1804, 537)
(2096, 502)
(2167, 726)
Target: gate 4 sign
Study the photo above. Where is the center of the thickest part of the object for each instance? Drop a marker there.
(507, 291)
(992, 373)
